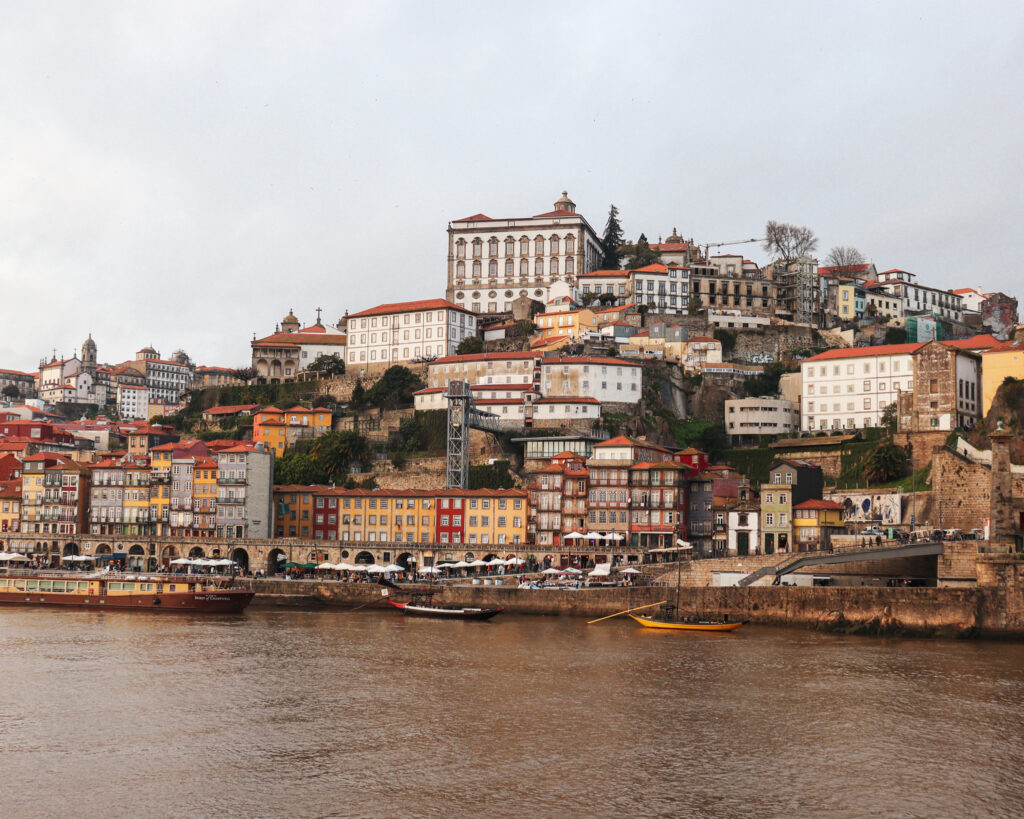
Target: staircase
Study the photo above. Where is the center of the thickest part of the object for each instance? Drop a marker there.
(764, 571)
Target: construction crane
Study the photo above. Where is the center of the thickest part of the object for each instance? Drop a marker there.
(724, 244)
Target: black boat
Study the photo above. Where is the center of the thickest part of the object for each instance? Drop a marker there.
(421, 605)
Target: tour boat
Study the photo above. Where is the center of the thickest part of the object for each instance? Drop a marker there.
(415, 608)
(114, 591)
(648, 621)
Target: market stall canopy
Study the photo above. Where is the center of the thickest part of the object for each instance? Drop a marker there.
(630, 570)
(394, 567)
(552, 570)
(601, 570)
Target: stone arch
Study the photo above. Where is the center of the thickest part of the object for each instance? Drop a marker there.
(70, 549)
(490, 556)
(262, 367)
(469, 557)
(104, 549)
(404, 559)
(365, 558)
(241, 557)
(136, 558)
(274, 560)
(167, 554)
(151, 564)
(196, 551)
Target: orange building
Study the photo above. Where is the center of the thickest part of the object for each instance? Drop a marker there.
(279, 429)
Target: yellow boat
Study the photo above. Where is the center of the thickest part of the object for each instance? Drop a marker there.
(701, 625)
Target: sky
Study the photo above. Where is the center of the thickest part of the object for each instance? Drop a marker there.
(183, 174)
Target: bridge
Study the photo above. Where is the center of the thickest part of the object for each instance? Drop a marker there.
(801, 561)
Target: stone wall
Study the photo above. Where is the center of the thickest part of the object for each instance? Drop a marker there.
(998, 610)
(964, 489)
(773, 343)
(922, 445)
(341, 386)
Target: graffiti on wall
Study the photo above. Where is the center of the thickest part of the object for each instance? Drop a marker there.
(886, 508)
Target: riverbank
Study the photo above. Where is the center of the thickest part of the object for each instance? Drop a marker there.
(959, 612)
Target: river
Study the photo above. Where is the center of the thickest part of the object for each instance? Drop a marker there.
(329, 713)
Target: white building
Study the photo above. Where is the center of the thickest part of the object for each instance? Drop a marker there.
(67, 381)
(166, 380)
(132, 402)
(744, 535)
(407, 331)
(919, 298)
(284, 354)
(606, 379)
(485, 368)
(971, 298)
(735, 319)
(850, 388)
(757, 417)
(492, 262)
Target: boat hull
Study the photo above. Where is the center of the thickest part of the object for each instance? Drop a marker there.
(226, 601)
(648, 622)
(445, 614)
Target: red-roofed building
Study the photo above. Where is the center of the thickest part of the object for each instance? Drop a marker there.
(492, 262)
(291, 348)
(10, 509)
(55, 496)
(406, 331)
(814, 523)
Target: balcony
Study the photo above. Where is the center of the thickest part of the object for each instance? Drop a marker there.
(231, 481)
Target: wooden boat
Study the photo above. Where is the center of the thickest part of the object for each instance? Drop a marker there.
(418, 609)
(649, 621)
(118, 592)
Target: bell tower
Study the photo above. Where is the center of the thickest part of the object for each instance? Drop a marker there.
(89, 355)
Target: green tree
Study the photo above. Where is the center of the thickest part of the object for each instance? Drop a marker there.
(10, 391)
(336, 452)
(643, 310)
(889, 419)
(727, 338)
(298, 468)
(358, 399)
(694, 305)
(640, 254)
(328, 365)
(469, 346)
(895, 335)
(887, 462)
(395, 388)
(491, 476)
(611, 242)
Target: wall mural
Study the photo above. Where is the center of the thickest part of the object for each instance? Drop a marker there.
(886, 508)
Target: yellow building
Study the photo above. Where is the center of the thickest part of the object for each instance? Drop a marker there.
(846, 301)
(136, 496)
(279, 429)
(1003, 361)
(204, 496)
(10, 508)
(495, 517)
(386, 516)
(570, 323)
(814, 523)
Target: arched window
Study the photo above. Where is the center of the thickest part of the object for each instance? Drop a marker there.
(538, 268)
(570, 244)
(509, 268)
(538, 246)
(524, 247)
(476, 270)
(570, 265)
(510, 246)
(460, 270)
(460, 249)
(554, 267)
(477, 248)
(524, 268)
(553, 246)
(492, 267)
(492, 247)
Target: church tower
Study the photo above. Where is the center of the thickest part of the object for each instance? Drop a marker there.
(89, 355)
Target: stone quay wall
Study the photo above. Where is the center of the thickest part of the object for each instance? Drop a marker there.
(993, 611)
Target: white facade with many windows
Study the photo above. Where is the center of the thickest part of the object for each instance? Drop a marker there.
(851, 388)
(492, 262)
(407, 331)
(919, 298)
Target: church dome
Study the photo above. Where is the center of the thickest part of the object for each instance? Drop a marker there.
(565, 203)
(675, 237)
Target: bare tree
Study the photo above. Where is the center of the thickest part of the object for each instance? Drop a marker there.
(789, 242)
(842, 256)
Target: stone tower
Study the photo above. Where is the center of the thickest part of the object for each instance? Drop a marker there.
(290, 324)
(565, 203)
(1001, 526)
(89, 355)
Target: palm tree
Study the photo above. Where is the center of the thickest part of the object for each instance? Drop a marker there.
(886, 463)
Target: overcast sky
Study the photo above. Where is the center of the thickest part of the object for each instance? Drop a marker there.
(182, 174)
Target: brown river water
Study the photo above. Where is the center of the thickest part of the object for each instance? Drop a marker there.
(327, 713)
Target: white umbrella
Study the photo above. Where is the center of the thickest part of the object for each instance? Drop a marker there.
(601, 570)
(515, 561)
(344, 567)
(682, 544)
(394, 567)
(477, 563)
(497, 562)
(630, 570)
(181, 561)
(17, 557)
(429, 570)
(595, 536)
(614, 536)
(574, 536)
(326, 565)
(462, 564)
(224, 562)
(86, 558)
(281, 558)
(571, 570)
(359, 568)
(552, 570)
(375, 569)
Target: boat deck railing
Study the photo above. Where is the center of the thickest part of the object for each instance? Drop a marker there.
(146, 577)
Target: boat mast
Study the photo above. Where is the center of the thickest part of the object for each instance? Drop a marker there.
(679, 578)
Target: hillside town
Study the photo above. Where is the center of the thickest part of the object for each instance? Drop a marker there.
(615, 402)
